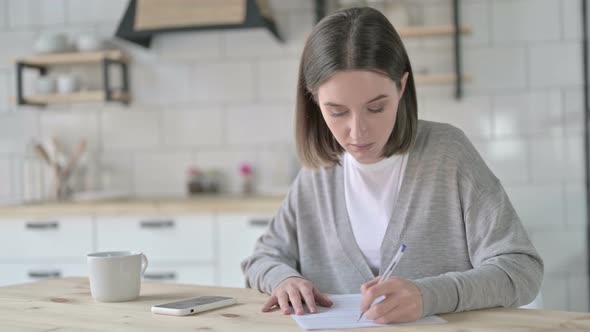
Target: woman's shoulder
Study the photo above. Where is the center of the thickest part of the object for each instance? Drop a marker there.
(431, 130)
(442, 136)
(448, 146)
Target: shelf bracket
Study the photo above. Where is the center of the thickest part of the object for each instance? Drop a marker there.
(457, 42)
(585, 67)
(20, 67)
(320, 10)
(108, 90)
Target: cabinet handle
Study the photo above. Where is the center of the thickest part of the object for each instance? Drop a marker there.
(160, 276)
(259, 222)
(156, 224)
(44, 274)
(42, 225)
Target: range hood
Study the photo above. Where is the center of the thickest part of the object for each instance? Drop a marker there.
(145, 18)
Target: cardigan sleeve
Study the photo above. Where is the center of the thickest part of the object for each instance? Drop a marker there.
(276, 254)
(507, 270)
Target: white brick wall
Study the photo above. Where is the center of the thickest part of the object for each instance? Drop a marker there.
(162, 82)
(130, 130)
(219, 98)
(508, 159)
(537, 113)
(3, 13)
(575, 159)
(5, 91)
(277, 79)
(32, 13)
(495, 68)
(539, 206)
(574, 111)
(259, 124)
(240, 44)
(6, 179)
(564, 250)
(555, 64)
(193, 127)
(227, 81)
(161, 174)
(548, 163)
(17, 129)
(93, 11)
(472, 114)
(575, 200)
(572, 20)
(70, 127)
(513, 20)
(476, 13)
(21, 44)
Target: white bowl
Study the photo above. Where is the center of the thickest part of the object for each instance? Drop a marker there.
(88, 43)
(51, 43)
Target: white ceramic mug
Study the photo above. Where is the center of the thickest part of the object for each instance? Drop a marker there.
(115, 276)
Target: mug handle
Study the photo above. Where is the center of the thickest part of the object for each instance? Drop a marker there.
(144, 263)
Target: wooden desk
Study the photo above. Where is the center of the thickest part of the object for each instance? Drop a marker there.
(66, 305)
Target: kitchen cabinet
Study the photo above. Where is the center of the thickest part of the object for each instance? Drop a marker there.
(236, 239)
(45, 239)
(179, 248)
(40, 248)
(194, 242)
(14, 273)
(181, 273)
(187, 238)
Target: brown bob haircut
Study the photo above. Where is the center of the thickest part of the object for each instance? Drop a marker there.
(350, 39)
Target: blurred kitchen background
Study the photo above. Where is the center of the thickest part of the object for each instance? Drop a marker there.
(212, 110)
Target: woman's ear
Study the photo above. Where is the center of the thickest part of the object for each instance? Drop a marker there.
(404, 81)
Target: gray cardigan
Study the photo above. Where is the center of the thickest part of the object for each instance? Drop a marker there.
(467, 248)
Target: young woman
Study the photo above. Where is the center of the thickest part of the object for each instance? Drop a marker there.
(375, 177)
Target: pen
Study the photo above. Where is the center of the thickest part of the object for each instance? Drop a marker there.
(389, 269)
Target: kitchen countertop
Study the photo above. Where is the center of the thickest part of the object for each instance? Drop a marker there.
(66, 305)
(199, 204)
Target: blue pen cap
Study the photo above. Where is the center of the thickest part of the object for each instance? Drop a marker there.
(403, 247)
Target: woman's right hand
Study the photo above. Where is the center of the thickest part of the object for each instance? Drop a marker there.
(297, 291)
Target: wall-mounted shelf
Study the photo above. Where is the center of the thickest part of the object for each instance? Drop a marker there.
(77, 97)
(75, 58)
(431, 31)
(438, 78)
(103, 58)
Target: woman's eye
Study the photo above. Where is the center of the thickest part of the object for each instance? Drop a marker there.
(376, 110)
(337, 114)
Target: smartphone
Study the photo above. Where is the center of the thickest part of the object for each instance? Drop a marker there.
(192, 306)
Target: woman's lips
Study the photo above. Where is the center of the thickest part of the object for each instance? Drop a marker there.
(360, 147)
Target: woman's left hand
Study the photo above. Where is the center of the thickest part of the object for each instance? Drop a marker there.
(402, 302)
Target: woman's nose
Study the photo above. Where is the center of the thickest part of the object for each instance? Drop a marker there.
(358, 127)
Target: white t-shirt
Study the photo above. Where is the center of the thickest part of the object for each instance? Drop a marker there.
(371, 191)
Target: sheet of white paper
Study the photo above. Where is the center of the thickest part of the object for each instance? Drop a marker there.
(343, 315)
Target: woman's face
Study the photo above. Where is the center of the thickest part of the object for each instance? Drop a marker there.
(360, 108)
